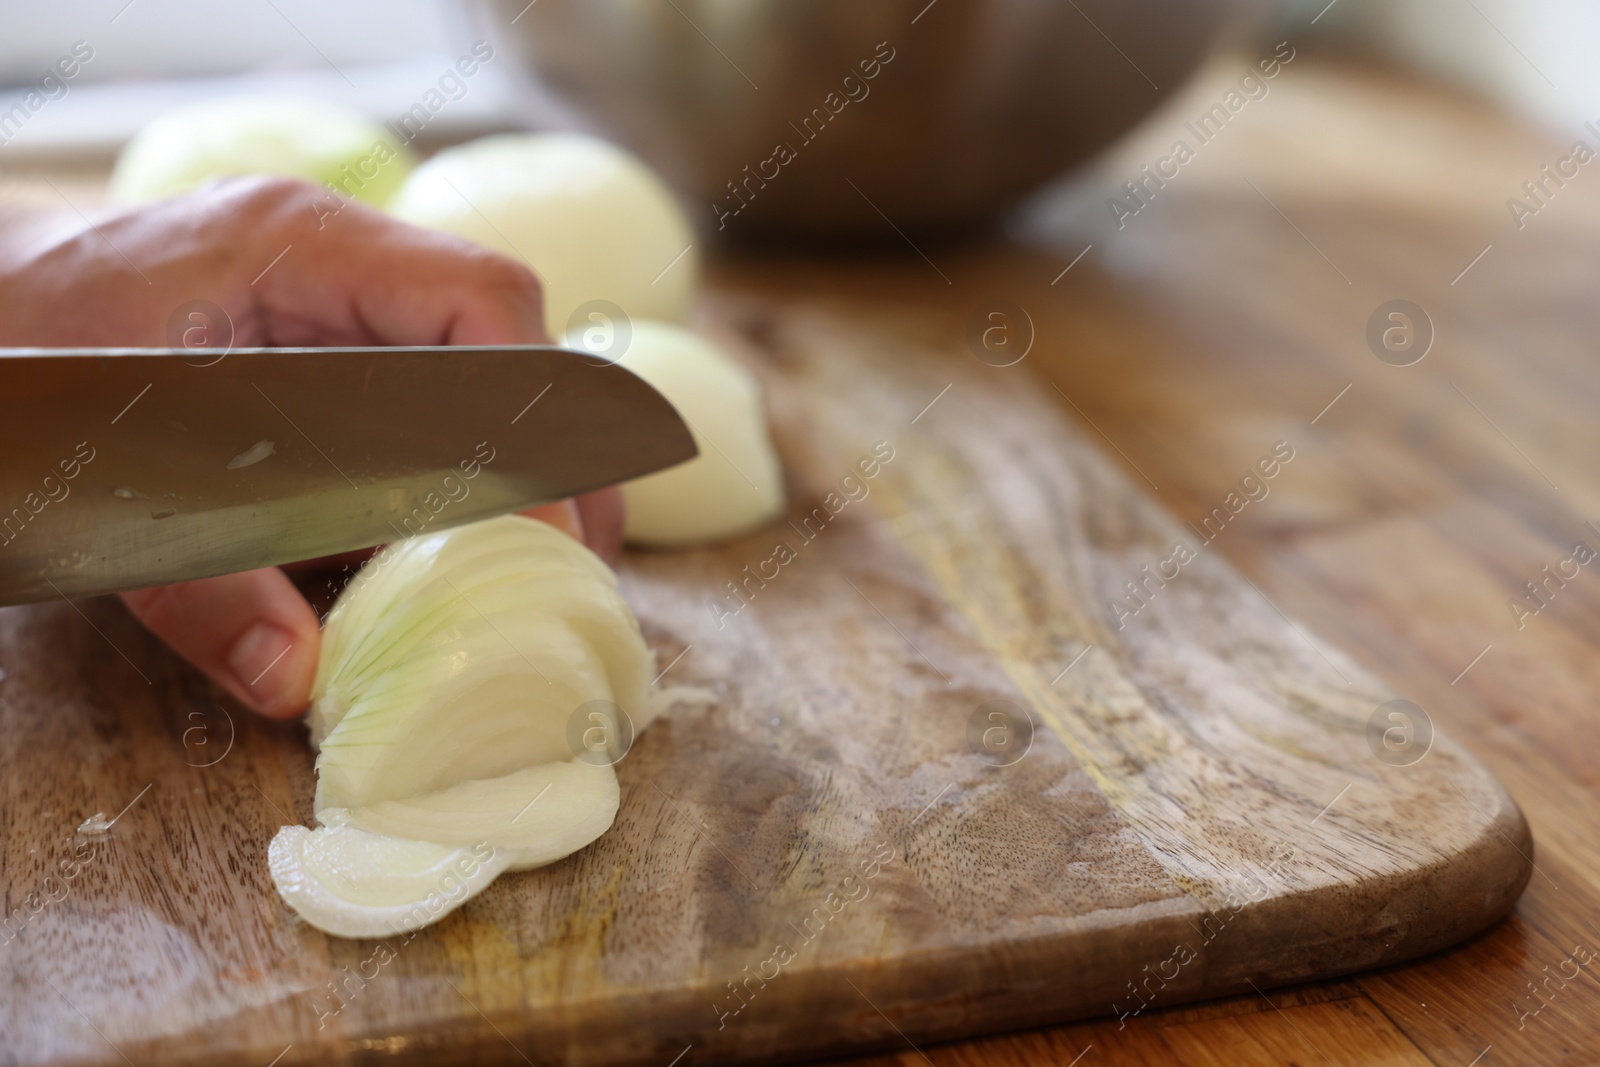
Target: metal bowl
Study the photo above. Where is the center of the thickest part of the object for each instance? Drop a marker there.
(841, 118)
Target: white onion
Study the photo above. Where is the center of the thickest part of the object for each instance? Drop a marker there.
(592, 221)
(735, 484)
(182, 148)
(452, 668)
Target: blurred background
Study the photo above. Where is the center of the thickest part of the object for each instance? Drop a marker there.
(995, 98)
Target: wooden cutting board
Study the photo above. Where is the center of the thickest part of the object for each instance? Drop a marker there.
(959, 777)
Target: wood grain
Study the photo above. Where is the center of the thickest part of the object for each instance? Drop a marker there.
(1171, 760)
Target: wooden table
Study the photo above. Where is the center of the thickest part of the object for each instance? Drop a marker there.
(1232, 313)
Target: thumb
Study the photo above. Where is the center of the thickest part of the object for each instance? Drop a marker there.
(252, 633)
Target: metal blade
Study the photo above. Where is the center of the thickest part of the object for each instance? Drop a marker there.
(127, 468)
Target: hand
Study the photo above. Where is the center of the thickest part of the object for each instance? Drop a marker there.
(353, 278)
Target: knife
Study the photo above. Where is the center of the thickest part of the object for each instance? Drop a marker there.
(126, 468)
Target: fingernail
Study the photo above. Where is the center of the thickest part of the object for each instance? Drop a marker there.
(260, 659)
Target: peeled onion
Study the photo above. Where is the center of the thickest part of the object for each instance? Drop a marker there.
(591, 220)
(453, 670)
(735, 484)
(284, 136)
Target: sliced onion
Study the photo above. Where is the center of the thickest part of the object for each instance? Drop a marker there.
(452, 670)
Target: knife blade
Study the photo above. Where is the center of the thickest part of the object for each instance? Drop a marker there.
(127, 468)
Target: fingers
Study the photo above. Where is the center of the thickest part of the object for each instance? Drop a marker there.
(356, 272)
(288, 262)
(252, 633)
